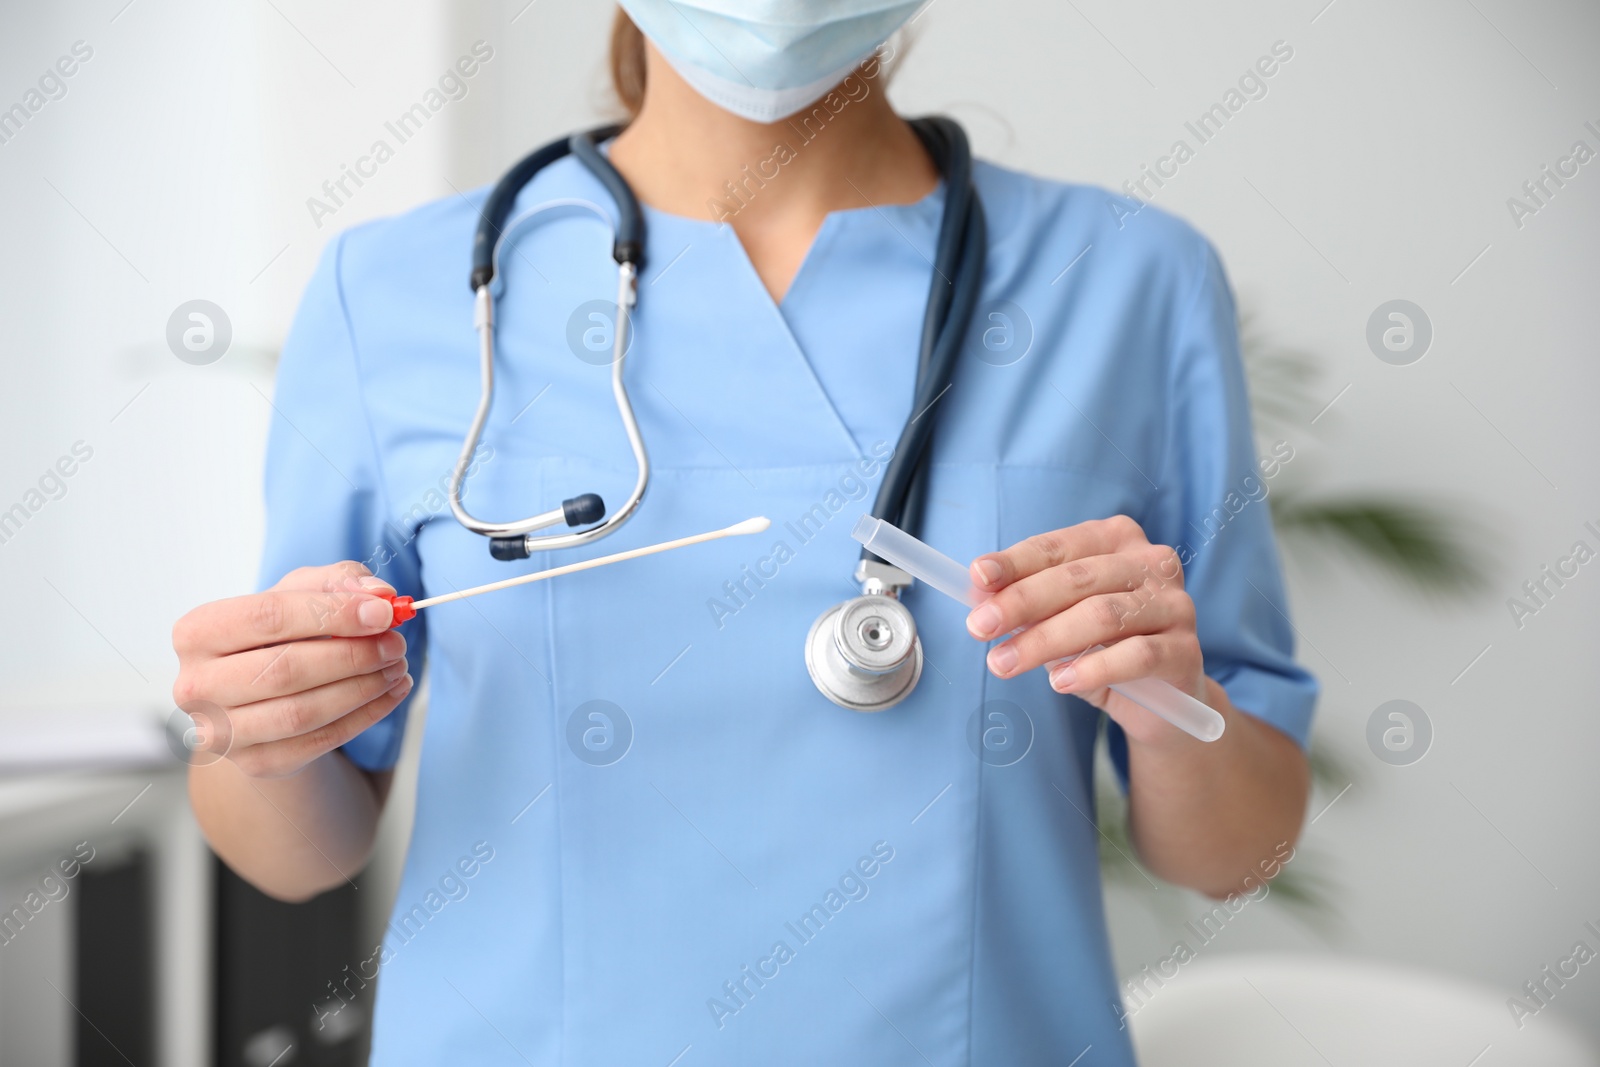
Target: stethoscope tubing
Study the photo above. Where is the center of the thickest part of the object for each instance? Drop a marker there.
(952, 296)
(493, 235)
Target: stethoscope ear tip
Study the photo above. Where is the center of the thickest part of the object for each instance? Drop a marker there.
(584, 509)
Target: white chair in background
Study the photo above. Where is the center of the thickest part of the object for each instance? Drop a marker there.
(1270, 1010)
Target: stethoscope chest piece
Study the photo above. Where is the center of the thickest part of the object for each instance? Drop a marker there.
(864, 654)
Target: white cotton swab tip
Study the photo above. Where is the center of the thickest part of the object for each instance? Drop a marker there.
(749, 526)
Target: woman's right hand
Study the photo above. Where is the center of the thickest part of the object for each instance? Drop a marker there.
(294, 672)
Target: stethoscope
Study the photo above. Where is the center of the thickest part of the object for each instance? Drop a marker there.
(863, 654)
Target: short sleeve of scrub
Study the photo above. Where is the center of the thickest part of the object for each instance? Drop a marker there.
(1213, 510)
(325, 498)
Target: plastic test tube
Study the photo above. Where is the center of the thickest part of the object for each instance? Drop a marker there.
(928, 565)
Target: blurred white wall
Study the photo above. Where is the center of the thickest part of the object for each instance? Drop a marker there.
(1377, 166)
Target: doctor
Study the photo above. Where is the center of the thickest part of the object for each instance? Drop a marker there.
(641, 833)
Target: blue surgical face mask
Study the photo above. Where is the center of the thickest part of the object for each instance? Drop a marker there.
(766, 59)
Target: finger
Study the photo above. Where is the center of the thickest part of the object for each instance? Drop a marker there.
(1172, 657)
(338, 581)
(1098, 620)
(1098, 537)
(1144, 572)
(294, 667)
(224, 627)
(301, 713)
(346, 574)
(277, 759)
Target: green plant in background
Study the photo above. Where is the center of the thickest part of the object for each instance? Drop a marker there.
(1427, 546)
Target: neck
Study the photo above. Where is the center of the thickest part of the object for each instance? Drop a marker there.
(773, 183)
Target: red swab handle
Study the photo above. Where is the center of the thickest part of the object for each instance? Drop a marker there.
(403, 611)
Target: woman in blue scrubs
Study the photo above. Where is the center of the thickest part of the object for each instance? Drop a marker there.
(642, 835)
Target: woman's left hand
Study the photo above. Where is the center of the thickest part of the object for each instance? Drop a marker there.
(1097, 583)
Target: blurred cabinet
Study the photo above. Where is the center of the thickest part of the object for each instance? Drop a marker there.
(123, 940)
(105, 932)
(113, 963)
(278, 967)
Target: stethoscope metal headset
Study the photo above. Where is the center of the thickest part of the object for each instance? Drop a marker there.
(863, 654)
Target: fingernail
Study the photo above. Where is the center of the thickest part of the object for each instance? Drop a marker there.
(988, 570)
(984, 621)
(394, 671)
(1063, 678)
(375, 614)
(374, 585)
(402, 687)
(1002, 659)
(391, 646)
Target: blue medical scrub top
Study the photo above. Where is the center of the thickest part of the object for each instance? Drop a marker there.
(641, 832)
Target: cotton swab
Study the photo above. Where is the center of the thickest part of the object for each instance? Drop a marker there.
(406, 608)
